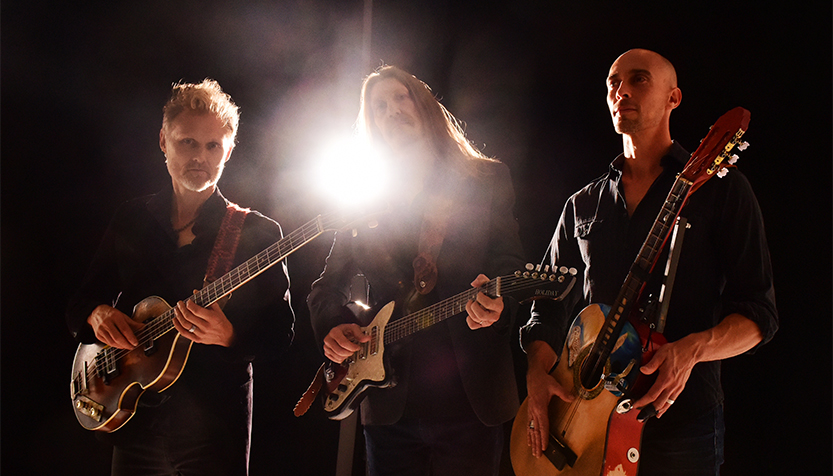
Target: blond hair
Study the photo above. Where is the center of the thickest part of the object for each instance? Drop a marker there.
(203, 97)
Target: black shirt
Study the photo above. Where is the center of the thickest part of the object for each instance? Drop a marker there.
(139, 257)
(724, 266)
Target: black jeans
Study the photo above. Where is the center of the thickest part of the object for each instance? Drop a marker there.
(694, 449)
(436, 448)
(180, 438)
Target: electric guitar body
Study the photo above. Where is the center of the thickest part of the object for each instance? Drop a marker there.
(345, 384)
(111, 397)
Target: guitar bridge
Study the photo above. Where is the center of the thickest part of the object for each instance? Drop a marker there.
(560, 454)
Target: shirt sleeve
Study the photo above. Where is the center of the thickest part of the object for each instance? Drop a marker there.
(331, 291)
(549, 320)
(260, 310)
(749, 288)
(99, 285)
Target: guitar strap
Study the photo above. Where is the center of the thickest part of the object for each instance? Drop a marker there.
(228, 237)
(434, 223)
(309, 395)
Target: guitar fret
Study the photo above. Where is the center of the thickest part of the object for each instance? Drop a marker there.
(645, 260)
(162, 324)
(105, 362)
(435, 313)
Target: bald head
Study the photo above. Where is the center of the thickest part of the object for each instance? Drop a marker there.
(641, 91)
(659, 66)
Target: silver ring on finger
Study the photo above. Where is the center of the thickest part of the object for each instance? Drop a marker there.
(193, 328)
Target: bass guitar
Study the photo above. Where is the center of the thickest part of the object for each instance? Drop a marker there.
(597, 433)
(344, 384)
(107, 382)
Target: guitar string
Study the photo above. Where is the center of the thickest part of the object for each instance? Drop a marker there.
(454, 305)
(450, 308)
(645, 261)
(570, 415)
(160, 325)
(646, 258)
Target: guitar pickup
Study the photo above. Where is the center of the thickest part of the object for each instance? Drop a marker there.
(78, 386)
(106, 365)
(150, 347)
(89, 407)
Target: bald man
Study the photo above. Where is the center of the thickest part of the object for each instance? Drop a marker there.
(723, 303)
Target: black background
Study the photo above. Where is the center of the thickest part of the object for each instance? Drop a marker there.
(82, 90)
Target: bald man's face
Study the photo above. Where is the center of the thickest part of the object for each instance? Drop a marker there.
(641, 91)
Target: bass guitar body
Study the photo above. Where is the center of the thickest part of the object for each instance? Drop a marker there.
(107, 382)
(579, 429)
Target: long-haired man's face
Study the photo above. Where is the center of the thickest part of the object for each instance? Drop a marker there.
(395, 114)
(196, 147)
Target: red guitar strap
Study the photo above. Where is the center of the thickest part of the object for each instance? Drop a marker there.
(431, 237)
(228, 237)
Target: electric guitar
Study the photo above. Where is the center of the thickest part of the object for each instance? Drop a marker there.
(107, 382)
(345, 384)
(598, 433)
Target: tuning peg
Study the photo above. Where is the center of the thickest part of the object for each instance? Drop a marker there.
(563, 270)
(722, 172)
(529, 266)
(573, 271)
(743, 145)
(734, 158)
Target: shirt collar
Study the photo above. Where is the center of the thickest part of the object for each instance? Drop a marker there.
(674, 160)
(211, 212)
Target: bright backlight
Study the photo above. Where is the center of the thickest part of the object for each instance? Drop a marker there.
(350, 175)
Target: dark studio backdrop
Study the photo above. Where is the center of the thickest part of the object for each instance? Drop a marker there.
(83, 84)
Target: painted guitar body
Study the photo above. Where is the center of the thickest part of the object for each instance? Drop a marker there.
(597, 433)
(579, 428)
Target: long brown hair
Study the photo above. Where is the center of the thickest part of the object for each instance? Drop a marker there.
(445, 134)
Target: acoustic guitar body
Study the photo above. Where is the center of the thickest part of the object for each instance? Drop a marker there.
(578, 429)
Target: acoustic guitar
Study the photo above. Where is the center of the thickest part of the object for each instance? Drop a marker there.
(598, 433)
